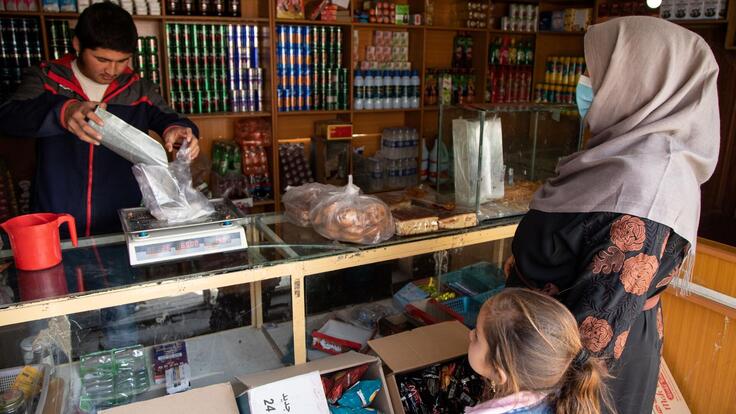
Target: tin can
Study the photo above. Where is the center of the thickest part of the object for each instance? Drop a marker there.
(151, 44)
(154, 77)
(140, 45)
(224, 102)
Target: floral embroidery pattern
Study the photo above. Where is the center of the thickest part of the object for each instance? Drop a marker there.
(638, 272)
(596, 333)
(628, 233)
(660, 325)
(608, 261)
(664, 282)
(664, 244)
(618, 348)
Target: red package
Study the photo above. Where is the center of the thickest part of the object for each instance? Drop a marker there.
(344, 380)
(253, 131)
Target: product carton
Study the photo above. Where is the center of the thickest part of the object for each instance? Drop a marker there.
(695, 9)
(681, 9)
(328, 365)
(669, 399)
(418, 348)
(218, 398)
(667, 9)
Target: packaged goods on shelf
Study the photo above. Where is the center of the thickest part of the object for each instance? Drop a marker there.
(384, 12)
(560, 79)
(215, 68)
(567, 20)
(295, 170)
(476, 14)
(202, 8)
(290, 9)
(240, 170)
(146, 59)
(509, 78)
(20, 46)
(399, 150)
(310, 70)
(521, 18)
(59, 38)
(449, 86)
(18, 5)
(114, 377)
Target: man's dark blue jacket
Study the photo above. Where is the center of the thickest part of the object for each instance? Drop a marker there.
(87, 181)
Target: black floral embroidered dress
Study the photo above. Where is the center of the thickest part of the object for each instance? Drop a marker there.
(608, 269)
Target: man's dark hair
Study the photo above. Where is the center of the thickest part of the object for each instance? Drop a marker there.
(106, 25)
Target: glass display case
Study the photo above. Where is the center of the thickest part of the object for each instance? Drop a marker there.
(492, 158)
(93, 316)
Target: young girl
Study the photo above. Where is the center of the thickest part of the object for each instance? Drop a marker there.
(527, 345)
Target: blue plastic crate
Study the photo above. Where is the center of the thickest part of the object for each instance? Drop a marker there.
(464, 308)
(483, 297)
(475, 279)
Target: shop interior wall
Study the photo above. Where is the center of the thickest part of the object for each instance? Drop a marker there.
(718, 213)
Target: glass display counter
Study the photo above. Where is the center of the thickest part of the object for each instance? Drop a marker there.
(237, 312)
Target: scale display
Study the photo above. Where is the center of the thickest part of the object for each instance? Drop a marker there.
(186, 248)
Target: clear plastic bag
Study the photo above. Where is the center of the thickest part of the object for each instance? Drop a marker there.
(466, 137)
(298, 201)
(352, 217)
(168, 193)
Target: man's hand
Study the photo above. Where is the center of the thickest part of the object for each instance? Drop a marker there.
(176, 135)
(75, 117)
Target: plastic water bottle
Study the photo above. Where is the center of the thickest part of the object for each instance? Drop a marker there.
(406, 87)
(378, 97)
(387, 90)
(395, 90)
(412, 171)
(424, 170)
(376, 181)
(386, 143)
(393, 174)
(370, 91)
(414, 89)
(404, 142)
(359, 90)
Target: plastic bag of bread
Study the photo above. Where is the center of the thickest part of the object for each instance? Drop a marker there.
(352, 217)
(298, 201)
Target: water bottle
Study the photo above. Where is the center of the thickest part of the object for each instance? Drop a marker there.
(376, 174)
(412, 171)
(387, 90)
(393, 173)
(386, 144)
(414, 89)
(406, 86)
(424, 170)
(396, 89)
(403, 142)
(359, 87)
(414, 142)
(378, 81)
(370, 91)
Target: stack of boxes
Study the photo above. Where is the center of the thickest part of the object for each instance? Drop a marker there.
(692, 9)
(390, 50)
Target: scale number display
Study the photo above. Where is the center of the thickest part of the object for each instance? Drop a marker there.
(189, 247)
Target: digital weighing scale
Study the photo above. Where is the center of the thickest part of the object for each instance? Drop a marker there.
(152, 241)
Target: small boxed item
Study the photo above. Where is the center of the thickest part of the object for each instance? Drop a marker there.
(333, 130)
(218, 398)
(695, 9)
(408, 355)
(666, 9)
(402, 14)
(681, 9)
(338, 372)
(668, 399)
(336, 337)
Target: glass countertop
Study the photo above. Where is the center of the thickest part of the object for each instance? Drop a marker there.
(101, 263)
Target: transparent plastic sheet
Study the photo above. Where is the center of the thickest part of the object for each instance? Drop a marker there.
(128, 141)
(298, 201)
(466, 144)
(168, 193)
(351, 217)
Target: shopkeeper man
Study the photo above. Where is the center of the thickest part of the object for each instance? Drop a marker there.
(74, 174)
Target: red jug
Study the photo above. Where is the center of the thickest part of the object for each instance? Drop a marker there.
(34, 239)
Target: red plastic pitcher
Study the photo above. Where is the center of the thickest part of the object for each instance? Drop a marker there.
(34, 239)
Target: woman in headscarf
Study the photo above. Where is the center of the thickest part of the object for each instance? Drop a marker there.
(614, 227)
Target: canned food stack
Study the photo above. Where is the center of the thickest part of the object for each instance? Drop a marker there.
(476, 14)
(246, 77)
(146, 59)
(510, 70)
(18, 5)
(20, 47)
(560, 78)
(521, 18)
(203, 7)
(309, 68)
(60, 38)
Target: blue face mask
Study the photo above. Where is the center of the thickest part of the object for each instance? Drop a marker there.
(584, 95)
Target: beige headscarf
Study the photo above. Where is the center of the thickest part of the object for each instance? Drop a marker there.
(654, 123)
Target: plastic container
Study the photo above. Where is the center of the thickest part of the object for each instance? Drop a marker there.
(475, 279)
(464, 309)
(7, 378)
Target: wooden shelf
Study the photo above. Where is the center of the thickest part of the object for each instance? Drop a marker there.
(74, 15)
(386, 26)
(229, 115)
(512, 33)
(309, 113)
(263, 203)
(548, 33)
(312, 22)
(214, 19)
(378, 111)
(5, 13)
(455, 29)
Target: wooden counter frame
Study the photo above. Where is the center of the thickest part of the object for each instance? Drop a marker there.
(298, 271)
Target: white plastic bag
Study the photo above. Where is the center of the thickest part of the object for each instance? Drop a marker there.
(168, 193)
(466, 143)
(352, 217)
(298, 201)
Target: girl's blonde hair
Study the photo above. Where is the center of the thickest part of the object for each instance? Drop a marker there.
(535, 341)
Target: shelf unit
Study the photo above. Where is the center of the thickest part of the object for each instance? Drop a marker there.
(430, 47)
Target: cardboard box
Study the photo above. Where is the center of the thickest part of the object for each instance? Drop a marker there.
(669, 399)
(418, 348)
(298, 394)
(329, 365)
(218, 398)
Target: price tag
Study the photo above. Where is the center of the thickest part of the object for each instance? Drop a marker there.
(302, 394)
